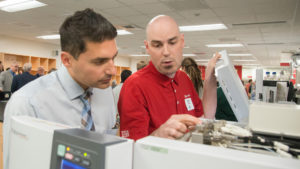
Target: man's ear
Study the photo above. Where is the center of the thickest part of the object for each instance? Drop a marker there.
(66, 58)
(182, 38)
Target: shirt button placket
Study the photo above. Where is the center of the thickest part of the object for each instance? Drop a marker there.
(176, 97)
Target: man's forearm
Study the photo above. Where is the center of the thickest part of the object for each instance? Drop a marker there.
(210, 97)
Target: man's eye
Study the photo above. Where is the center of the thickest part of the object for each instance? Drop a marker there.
(156, 45)
(99, 62)
(173, 42)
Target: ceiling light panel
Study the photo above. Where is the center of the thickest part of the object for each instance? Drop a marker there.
(19, 5)
(238, 60)
(224, 45)
(139, 55)
(189, 55)
(202, 27)
(123, 32)
(49, 37)
(241, 54)
(251, 64)
(202, 60)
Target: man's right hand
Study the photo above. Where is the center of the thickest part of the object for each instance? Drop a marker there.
(176, 126)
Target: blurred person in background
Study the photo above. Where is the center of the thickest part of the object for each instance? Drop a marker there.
(40, 71)
(116, 91)
(190, 67)
(141, 64)
(6, 77)
(22, 79)
(1, 67)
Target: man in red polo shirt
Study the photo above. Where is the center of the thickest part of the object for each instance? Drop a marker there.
(160, 100)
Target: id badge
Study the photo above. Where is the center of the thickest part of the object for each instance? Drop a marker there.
(189, 104)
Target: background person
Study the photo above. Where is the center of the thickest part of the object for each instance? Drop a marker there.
(22, 79)
(124, 75)
(6, 77)
(40, 71)
(141, 64)
(190, 67)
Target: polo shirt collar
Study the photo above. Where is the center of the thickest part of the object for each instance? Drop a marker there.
(72, 88)
(161, 78)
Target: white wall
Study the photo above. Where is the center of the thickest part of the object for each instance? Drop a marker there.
(38, 49)
(134, 61)
(248, 72)
(122, 61)
(30, 48)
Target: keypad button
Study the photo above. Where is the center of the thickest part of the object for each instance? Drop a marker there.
(61, 149)
(77, 159)
(69, 156)
(86, 163)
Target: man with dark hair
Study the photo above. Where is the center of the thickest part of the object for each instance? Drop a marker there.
(78, 93)
(124, 75)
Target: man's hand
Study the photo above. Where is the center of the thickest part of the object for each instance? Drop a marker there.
(176, 126)
(210, 71)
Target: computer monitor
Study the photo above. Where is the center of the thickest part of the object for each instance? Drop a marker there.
(233, 88)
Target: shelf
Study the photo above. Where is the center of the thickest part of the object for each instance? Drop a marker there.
(8, 59)
(44, 63)
(51, 64)
(35, 61)
(119, 70)
(47, 63)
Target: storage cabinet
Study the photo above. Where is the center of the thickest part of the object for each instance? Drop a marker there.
(119, 69)
(47, 63)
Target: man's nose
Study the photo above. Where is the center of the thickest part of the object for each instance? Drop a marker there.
(166, 50)
(111, 69)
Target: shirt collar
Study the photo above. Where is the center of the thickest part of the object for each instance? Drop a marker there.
(72, 88)
(161, 78)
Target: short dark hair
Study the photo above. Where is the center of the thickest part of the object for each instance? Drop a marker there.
(124, 75)
(84, 26)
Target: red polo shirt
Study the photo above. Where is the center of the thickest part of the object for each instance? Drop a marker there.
(148, 99)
